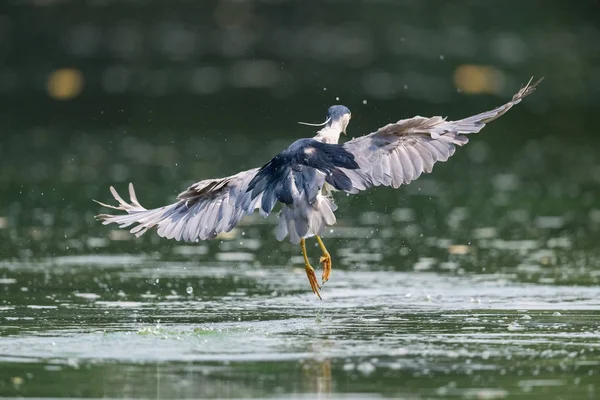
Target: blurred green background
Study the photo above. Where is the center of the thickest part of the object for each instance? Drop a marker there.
(478, 281)
(101, 92)
(74, 73)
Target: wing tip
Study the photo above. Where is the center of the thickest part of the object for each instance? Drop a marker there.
(123, 205)
(106, 205)
(527, 89)
(103, 217)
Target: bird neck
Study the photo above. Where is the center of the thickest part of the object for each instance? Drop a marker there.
(330, 134)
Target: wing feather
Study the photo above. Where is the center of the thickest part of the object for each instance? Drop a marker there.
(426, 156)
(204, 210)
(399, 153)
(398, 174)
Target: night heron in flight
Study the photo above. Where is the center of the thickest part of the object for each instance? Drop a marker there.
(302, 178)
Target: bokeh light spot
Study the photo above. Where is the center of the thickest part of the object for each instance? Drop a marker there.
(478, 79)
(65, 83)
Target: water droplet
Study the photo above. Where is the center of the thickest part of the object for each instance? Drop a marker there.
(337, 99)
(442, 57)
(189, 290)
(364, 101)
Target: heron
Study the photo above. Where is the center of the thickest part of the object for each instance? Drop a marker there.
(304, 177)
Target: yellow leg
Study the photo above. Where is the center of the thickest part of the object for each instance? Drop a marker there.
(325, 260)
(310, 272)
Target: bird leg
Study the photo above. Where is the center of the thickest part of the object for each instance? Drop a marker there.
(310, 272)
(325, 260)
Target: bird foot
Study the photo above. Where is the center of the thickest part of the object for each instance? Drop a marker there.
(312, 279)
(325, 260)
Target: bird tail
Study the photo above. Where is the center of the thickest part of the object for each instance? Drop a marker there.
(304, 220)
(146, 219)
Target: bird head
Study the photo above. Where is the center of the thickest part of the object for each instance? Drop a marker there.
(337, 117)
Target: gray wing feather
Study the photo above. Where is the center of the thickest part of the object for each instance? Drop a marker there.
(399, 153)
(204, 210)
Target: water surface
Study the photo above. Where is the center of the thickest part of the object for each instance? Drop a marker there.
(479, 288)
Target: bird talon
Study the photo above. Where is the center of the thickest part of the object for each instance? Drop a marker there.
(310, 272)
(312, 279)
(325, 260)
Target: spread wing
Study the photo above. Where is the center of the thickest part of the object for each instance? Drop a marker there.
(213, 206)
(399, 153)
(204, 210)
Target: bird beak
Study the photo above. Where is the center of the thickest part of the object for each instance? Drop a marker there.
(347, 121)
(309, 124)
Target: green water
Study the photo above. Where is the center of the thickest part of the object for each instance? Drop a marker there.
(478, 281)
